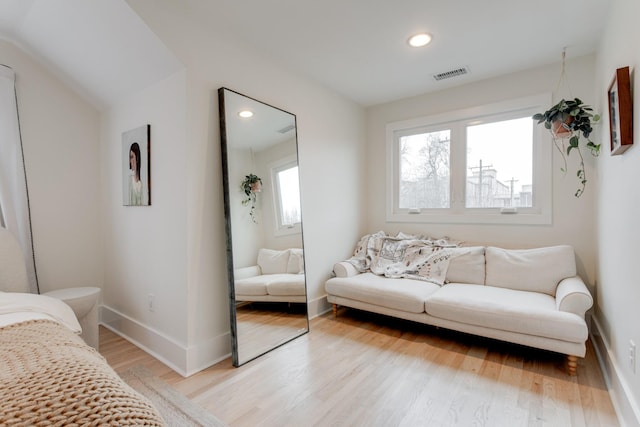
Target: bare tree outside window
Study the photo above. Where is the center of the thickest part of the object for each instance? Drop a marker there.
(425, 170)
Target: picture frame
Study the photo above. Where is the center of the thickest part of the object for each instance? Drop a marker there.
(620, 112)
(136, 166)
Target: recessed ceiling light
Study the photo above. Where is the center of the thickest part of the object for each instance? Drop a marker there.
(419, 40)
(245, 114)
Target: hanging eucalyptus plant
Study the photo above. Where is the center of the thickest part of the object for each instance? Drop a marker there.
(251, 186)
(571, 120)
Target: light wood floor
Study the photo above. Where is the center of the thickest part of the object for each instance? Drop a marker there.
(263, 326)
(366, 370)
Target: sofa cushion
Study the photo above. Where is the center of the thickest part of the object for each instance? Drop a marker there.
(524, 312)
(535, 270)
(468, 267)
(399, 294)
(296, 261)
(285, 284)
(254, 286)
(245, 272)
(272, 261)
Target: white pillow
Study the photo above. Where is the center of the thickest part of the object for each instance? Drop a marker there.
(296, 261)
(14, 302)
(535, 270)
(272, 261)
(467, 268)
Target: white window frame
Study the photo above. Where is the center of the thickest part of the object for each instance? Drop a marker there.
(539, 213)
(283, 164)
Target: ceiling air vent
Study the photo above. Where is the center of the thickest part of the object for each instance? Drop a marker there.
(452, 73)
(286, 129)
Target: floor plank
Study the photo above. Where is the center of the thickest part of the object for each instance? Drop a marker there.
(361, 369)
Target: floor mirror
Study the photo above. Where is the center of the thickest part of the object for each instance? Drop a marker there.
(263, 220)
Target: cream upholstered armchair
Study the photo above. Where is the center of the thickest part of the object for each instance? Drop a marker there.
(13, 278)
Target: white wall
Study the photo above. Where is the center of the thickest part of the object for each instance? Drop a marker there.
(330, 132)
(145, 246)
(573, 219)
(248, 236)
(60, 134)
(618, 233)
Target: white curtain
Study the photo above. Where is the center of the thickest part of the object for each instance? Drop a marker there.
(14, 198)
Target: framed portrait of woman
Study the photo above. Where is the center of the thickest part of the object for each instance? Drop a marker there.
(136, 166)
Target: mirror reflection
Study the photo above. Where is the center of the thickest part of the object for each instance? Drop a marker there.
(267, 289)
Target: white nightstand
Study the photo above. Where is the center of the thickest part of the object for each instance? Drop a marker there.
(84, 302)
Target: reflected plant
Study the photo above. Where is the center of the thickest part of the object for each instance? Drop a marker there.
(251, 185)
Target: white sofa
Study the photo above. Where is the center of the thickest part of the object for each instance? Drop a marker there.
(531, 297)
(277, 277)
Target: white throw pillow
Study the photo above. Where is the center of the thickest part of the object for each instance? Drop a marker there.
(469, 267)
(272, 261)
(296, 261)
(535, 270)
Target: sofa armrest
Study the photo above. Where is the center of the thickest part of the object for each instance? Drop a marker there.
(573, 296)
(345, 269)
(246, 272)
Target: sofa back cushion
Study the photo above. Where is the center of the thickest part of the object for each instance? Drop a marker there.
(272, 261)
(468, 267)
(535, 270)
(296, 261)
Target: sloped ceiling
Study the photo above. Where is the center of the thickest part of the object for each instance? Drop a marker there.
(99, 47)
(356, 47)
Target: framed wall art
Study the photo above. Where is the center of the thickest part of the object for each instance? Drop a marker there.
(136, 166)
(620, 112)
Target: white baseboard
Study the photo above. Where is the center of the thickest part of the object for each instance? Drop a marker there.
(184, 360)
(317, 307)
(621, 396)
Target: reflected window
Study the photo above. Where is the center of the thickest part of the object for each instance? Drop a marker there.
(287, 194)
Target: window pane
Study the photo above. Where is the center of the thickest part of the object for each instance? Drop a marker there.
(424, 170)
(499, 164)
(289, 186)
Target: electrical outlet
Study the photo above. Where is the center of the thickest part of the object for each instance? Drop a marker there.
(151, 302)
(632, 356)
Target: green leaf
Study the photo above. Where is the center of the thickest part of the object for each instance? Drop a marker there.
(573, 142)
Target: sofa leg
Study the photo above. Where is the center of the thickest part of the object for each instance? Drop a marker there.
(572, 364)
(335, 310)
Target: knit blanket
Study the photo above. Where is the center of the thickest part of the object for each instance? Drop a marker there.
(406, 256)
(50, 377)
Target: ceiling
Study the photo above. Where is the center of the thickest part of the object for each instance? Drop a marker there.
(267, 127)
(101, 48)
(356, 47)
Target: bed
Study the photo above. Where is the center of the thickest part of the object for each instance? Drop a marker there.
(50, 376)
